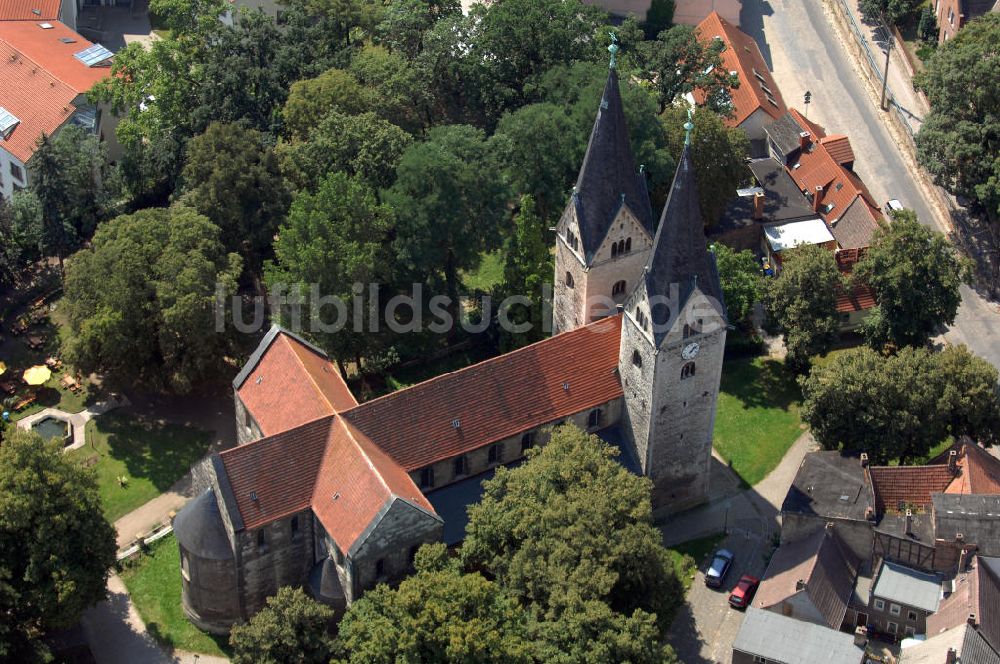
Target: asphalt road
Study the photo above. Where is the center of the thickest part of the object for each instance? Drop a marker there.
(804, 51)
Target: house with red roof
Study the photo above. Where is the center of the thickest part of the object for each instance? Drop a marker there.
(64, 11)
(47, 70)
(336, 496)
(756, 101)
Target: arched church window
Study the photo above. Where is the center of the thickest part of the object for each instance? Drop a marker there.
(614, 250)
(687, 370)
(621, 246)
(628, 245)
(295, 526)
(618, 288)
(569, 280)
(379, 568)
(594, 418)
(637, 359)
(687, 331)
(261, 541)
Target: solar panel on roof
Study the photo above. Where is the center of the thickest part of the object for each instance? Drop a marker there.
(7, 122)
(94, 55)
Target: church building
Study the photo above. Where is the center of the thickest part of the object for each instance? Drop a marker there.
(337, 496)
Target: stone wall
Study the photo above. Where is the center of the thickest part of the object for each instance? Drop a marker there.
(247, 430)
(908, 617)
(210, 596)
(285, 559)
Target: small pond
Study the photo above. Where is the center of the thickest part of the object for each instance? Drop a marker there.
(50, 427)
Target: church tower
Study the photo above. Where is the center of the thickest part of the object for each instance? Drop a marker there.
(606, 232)
(672, 345)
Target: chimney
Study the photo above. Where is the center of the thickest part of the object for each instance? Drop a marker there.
(951, 656)
(799, 585)
(909, 522)
(959, 537)
(758, 206)
(953, 461)
(864, 459)
(972, 619)
(817, 197)
(803, 140)
(861, 636)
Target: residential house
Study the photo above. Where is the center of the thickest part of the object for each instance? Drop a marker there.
(963, 644)
(756, 101)
(693, 12)
(811, 580)
(64, 11)
(952, 15)
(973, 599)
(767, 637)
(901, 600)
(46, 70)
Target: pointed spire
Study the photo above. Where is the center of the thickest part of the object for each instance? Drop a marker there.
(608, 173)
(613, 50)
(688, 126)
(680, 252)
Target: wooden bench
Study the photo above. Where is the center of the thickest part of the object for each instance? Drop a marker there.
(25, 402)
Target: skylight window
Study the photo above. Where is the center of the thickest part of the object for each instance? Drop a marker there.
(7, 123)
(94, 56)
(67, 40)
(45, 26)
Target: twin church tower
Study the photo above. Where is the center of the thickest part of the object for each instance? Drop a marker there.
(611, 256)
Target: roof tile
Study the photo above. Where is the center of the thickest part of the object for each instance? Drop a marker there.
(22, 10)
(895, 486)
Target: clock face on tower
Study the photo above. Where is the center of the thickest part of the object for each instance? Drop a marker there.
(690, 351)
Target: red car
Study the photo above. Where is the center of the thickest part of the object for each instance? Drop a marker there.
(743, 592)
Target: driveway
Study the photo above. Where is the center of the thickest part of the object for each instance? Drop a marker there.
(804, 50)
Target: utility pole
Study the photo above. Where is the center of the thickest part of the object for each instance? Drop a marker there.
(888, 50)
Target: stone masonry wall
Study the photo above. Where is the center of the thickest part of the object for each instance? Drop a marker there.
(284, 560)
(244, 433)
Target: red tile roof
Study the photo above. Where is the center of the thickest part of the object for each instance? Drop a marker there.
(495, 399)
(293, 384)
(859, 298)
(21, 10)
(839, 147)
(40, 81)
(908, 485)
(979, 470)
(977, 593)
(742, 56)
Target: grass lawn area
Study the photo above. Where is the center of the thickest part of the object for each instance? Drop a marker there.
(154, 582)
(758, 416)
(689, 555)
(487, 275)
(151, 455)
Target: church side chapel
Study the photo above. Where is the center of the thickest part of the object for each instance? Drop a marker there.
(337, 496)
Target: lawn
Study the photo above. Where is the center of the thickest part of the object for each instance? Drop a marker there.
(151, 455)
(488, 274)
(687, 556)
(154, 582)
(758, 416)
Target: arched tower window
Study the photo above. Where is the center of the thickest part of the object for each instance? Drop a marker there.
(687, 370)
(687, 331)
(628, 245)
(637, 359)
(614, 250)
(618, 288)
(621, 246)
(569, 280)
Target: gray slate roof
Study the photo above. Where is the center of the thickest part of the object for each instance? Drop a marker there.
(977, 517)
(970, 645)
(828, 484)
(907, 586)
(856, 228)
(784, 133)
(785, 640)
(608, 178)
(200, 531)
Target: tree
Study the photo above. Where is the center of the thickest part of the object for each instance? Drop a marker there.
(400, 87)
(363, 145)
(21, 227)
(310, 100)
(892, 11)
(720, 157)
(959, 141)
(440, 614)
(190, 20)
(915, 274)
(527, 268)
(333, 239)
(803, 303)
(141, 301)
(742, 285)
(927, 29)
(900, 406)
(67, 175)
(659, 17)
(290, 629)
(231, 176)
(404, 23)
(569, 533)
(55, 545)
(676, 63)
(449, 198)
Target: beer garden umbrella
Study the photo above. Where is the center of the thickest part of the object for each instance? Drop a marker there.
(37, 375)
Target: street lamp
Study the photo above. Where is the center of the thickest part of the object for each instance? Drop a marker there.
(888, 50)
(805, 100)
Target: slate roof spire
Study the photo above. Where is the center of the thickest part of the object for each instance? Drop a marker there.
(608, 173)
(680, 252)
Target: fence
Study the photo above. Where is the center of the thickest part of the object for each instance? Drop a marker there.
(874, 71)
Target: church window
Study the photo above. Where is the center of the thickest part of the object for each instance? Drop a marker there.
(687, 331)
(628, 245)
(614, 250)
(621, 246)
(640, 318)
(594, 418)
(618, 288)
(461, 466)
(261, 541)
(527, 441)
(380, 568)
(636, 359)
(496, 453)
(687, 370)
(569, 280)
(426, 477)
(295, 527)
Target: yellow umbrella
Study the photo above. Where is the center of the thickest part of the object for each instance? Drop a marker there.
(3, 368)
(37, 375)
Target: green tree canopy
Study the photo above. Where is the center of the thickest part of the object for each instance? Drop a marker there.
(400, 87)
(439, 614)
(55, 546)
(360, 145)
(404, 23)
(527, 267)
(311, 99)
(720, 157)
(803, 302)
(21, 228)
(676, 63)
(959, 141)
(893, 11)
(915, 273)
(291, 629)
(334, 239)
(900, 406)
(231, 176)
(569, 533)
(141, 301)
(742, 284)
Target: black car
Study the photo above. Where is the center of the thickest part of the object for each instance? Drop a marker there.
(721, 563)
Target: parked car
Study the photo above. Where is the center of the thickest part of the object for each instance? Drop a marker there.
(743, 592)
(892, 206)
(721, 563)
